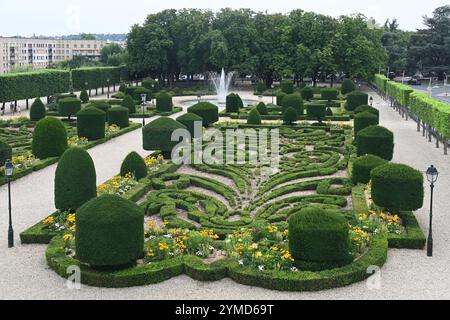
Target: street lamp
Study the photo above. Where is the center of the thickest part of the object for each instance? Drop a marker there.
(9, 169)
(144, 100)
(273, 87)
(86, 86)
(107, 81)
(260, 97)
(199, 98)
(445, 84)
(432, 175)
(371, 101)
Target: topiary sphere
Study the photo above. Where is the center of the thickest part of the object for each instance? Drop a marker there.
(189, 120)
(207, 111)
(68, 107)
(91, 123)
(356, 99)
(84, 97)
(280, 96)
(254, 117)
(293, 101)
(262, 109)
(347, 86)
(329, 94)
(363, 120)
(287, 86)
(134, 164)
(397, 187)
(233, 103)
(75, 179)
(37, 110)
(375, 140)
(307, 93)
(119, 116)
(164, 102)
(49, 138)
(367, 108)
(129, 103)
(157, 135)
(109, 233)
(290, 116)
(5, 152)
(362, 167)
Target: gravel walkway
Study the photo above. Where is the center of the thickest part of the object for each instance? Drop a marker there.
(408, 274)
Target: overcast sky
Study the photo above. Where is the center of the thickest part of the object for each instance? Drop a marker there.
(58, 17)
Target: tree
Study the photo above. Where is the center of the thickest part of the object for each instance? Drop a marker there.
(87, 36)
(396, 43)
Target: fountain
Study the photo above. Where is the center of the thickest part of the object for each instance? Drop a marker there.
(222, 83)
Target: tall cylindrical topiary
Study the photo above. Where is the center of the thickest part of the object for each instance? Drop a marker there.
(347, 86)
(119, 116)
(307, 93)
(134, 164)
(254, 117)
(287, 86)
(233, 103)
(37, 110)
(375, 140)
(189, 120)
(128, 102)
(356, 99)
(100, 105)
(262, 109)
(84, 97)
(364, 108)
(109, 233)
(75, 179)
(5, 152)
(157, 135)
(280, 96)
(316, 111)
(207, 111)
(329, 94)
(293, 101)
(362, 167)
(164, 102)
(68, 107)
(91, 123)
(49, 138)
(364, 120)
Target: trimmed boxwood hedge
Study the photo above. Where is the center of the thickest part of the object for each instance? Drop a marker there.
(367, 108)
(329, 94)
(280, 96)
(397, 187)
(254, 117)
(233, 103)
(119, 116)
(91, 123)
(75, 179)
(134, 164)
(49, 138)
(164, 102)
(96, 77)
(293, 101)
(375, 140)
(5, 152)
(356, 99)
(128, 102)
(188, 120)
(287, 86)
(262, 109)
(363, 120)
(101, 105)
(316, 111)
(347, 86)
(157, 135)
(84, 97)
(362, 167)
(290, 116)
(37, 110)
(110, 232)
(137, 94)
(207, 111)
(68, 107)
(307, 93)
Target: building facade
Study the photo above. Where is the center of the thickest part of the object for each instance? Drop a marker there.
(39, 53)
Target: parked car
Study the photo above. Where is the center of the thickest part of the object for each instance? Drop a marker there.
(414, 81)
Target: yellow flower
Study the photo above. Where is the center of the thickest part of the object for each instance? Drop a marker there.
(165, 223)
(150, 253)
(151, 224)
(286, 232)
(68, 237)
(163, 246)
(253, 247)
(274, 248)
(72, 228)
(209, 234)
(258, 254)
(286, 255)
(71, 218)
(50, 220)
(272, 229)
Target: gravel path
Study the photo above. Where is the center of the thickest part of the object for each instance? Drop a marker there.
(408, 274)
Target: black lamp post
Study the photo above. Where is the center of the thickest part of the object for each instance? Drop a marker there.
(86, 86)
(144, 100)
(432, 176)
(371, 101)
(199, 98)
(9, 169)
(273, 87)
(107, 81)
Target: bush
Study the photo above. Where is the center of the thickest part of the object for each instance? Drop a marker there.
(75, 179)
(367, 108)
(290, 116)
(329, 94)
(261, 87)
(134, 164)
(130, 91)
(356, 99)
(129, 103)
(363, 120)
(362, 167)
(119, 116)
(293, 101)
(233, 103)
(122, 87)
(262, 108)
(49, 138)
(84, 97)
(375, 140)
(164, 102)
(280, 96)
(151, 85)
(37, 110)
(316, 111)
(287, 86)
(68, 107)
(91, 123)
(254, 117)
(188, 120)
(316, 235)
(329, 112)
(157, 135)
(347, 86)
(110, 232)
(62, 96)
(100, 105)
(307, 93)
(397, 187)
(5, 152)
(207, 111)
(137, 94)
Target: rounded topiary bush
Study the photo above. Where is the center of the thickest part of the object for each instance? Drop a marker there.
(75, 179)
(101, 106)
(122, 87)
(356, 99)
(254, 117)
(316, 111)
(363, 120)
(137, 94)
(233, 103)
(397, 187)
(91, 123)
(134, 164)
(207, 111)
(119, 116)
(49, 138)
(261, 87)
(329, 94)
(375, 140)
(329, 112)
(317, 235)
(164, 102)
(290, 116)
(262, 109)
(84, 97)
(128, 102)
(5, 152)
(293, 101)
(189, 120)
(280, 96)
(347, 86)
(287, 86)
(37, 110)
(307, 93)
(110, 232)
(362, 167)
(367, 108)
(68, 107)
(130, 91)
(157, 135)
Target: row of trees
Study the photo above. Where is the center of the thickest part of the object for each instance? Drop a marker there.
(269, 46)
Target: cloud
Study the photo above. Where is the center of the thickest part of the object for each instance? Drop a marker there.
(73, 17)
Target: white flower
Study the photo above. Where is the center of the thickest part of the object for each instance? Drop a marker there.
(168, 236)
(199, 253)
(211, 248)
(261, 268)
(241, 262)
(171, 253)
(151, 237)
(294, 269)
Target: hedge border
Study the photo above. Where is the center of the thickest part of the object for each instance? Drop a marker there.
(235, 116)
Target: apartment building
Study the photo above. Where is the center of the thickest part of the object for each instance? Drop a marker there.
(38, 53)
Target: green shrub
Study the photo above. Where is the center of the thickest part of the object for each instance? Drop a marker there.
(134, 164)
(164, 102)
(62, 96)
(130, 91)
(287, 86)
(280, 96)
(316, 111)
(362, 167)
(356, 99)
(363, 120)
(157, 135)
(139, 91)
(151, 85)
(91, 123)
(375, 140)
(84, 97)
(49, 138)
(68, 107)
(122, 87)
(293, 101)
(254, 117)
(233, 103)
(118, 95)
(5, 152)
(367, 108)
(290, 116)
(329, 94)
(37, 110)
(110, 232)
(261, 87)
(129, 103)
(207, 111)
(347, 86)
(397, 187)
(262, 108)
(188, 120)
(75, 179)
(119, 116)
(316, 235)
(100, 105)
(329, 112)
(307, 93)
